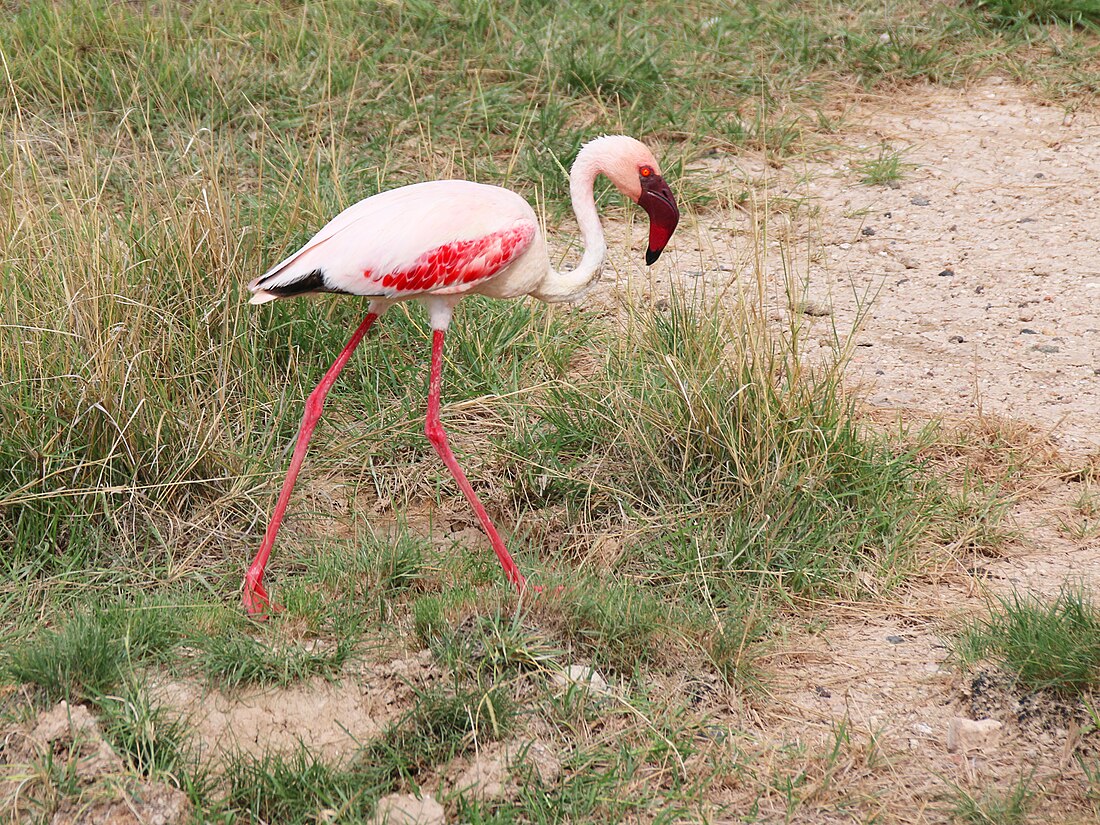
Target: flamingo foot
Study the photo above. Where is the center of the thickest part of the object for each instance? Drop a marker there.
(523, 588)
(256, 601)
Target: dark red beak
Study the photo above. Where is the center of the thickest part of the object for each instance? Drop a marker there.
(657, 200)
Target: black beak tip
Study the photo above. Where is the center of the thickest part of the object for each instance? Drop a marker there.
(651, 256)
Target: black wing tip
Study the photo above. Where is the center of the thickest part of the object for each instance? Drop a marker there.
(311, 282)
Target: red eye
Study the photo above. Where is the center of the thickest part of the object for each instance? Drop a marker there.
(645, 171)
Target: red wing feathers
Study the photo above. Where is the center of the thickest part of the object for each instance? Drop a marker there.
(450, 267)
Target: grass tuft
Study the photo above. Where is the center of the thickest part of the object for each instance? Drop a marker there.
(150, 738)
(992, 807)
(236, 659)
(1045, 644)
(1015, 12)
(884, 170)
(89, 654)
(710, 442)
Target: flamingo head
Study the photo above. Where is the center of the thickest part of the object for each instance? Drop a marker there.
(631, 167)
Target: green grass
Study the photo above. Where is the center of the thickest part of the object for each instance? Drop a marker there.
(1053, 644)
(993, 807)
(232, 661)
(722, 475)
(885, 169)
(1009, 12)
(92, 652)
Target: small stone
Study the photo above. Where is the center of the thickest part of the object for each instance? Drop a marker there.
(896, 640)
(662, 304)
(1040, 175)
(956, 339)
(946, 273)
(967, 734)
(406, 809)
(816, 310)
(880, 372)
(864, 344)
(1026, 220)
(581, 676)
(867, 231)
(823, 692)
(923, 729)
(919, 201)
(893, 184)
(1047, 349)
(1028, 331)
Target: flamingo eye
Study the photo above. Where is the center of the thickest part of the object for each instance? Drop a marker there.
(645, 171)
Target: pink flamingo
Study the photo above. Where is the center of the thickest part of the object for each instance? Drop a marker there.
(437, 241)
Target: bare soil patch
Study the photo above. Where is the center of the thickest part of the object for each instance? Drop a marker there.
(979, 272)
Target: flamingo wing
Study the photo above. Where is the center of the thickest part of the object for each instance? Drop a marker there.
(439, 237)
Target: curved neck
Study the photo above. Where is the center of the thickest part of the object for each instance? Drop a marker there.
(570, 285)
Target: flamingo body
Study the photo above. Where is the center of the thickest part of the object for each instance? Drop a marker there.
(444, 237)
(435, 242)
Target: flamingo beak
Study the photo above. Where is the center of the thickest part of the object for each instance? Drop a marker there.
(658, 201)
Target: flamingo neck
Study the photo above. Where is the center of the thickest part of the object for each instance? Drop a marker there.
(571, 285)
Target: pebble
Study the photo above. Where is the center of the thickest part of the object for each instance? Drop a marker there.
(1048, 349)
(1040, 175)
(946, 273)
(867, 230)
(956, 339)
(1028, 331)
(1026, 220)
(919, 201)
(967, 734)
(823, 692)
(896, 640)
(583, 677)
(816, 310)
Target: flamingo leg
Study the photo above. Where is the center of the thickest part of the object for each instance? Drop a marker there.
(438, 437)
(255, 598)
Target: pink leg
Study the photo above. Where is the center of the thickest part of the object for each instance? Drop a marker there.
(434, 430)
(255, 597)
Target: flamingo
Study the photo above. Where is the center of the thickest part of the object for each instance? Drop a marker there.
(436, 242)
